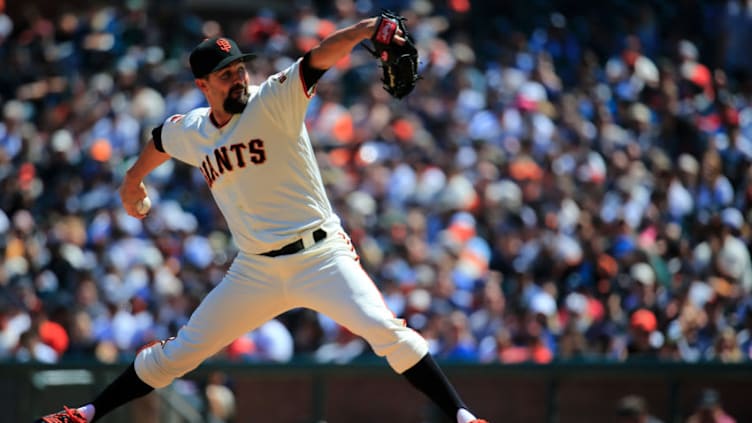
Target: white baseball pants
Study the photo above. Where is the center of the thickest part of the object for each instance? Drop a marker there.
(325, 277)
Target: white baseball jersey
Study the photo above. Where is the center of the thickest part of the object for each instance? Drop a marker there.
(260, 165)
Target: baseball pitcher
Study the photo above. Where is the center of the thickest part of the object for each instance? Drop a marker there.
(252, 148)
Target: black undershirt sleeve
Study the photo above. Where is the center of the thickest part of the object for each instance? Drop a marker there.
(156, 135)
(310, 75)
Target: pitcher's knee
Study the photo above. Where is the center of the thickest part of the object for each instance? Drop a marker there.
(157, 369)
(402, 347)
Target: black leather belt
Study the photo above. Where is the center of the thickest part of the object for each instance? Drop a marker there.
(296, 246)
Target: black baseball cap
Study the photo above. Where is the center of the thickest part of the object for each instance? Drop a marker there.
(213, 54)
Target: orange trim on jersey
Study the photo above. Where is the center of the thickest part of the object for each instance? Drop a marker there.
(357, 259)
(302, 82)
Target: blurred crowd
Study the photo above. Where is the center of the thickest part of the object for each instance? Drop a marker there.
(568, 181)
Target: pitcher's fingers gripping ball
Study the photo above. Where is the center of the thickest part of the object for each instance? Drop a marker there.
(143, 206)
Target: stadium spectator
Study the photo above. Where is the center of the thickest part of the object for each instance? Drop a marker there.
(709, 409)
(634, 409)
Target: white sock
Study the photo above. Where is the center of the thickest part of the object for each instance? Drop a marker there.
(87, 411)
(464, 416)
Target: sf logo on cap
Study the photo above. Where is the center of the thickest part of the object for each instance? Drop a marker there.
(224, 45)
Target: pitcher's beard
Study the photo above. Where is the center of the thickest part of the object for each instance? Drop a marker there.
(236, 105)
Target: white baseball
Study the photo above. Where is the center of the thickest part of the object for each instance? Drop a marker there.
(143, 206)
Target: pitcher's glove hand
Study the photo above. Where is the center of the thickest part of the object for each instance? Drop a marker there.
(399, 61)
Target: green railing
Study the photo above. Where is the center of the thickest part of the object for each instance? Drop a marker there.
(302, 392)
